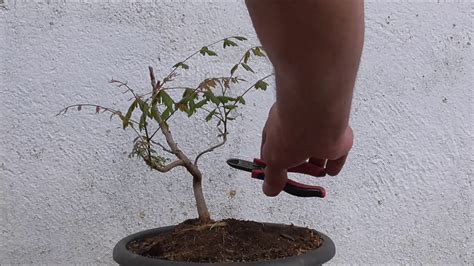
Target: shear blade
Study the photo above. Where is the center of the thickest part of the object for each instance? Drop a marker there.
(240, 164)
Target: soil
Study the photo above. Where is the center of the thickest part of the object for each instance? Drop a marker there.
(227, 241)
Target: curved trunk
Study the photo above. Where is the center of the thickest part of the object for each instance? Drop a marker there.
(203, 213)
(183, 160)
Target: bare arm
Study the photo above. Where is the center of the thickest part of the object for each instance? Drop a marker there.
(315, 48)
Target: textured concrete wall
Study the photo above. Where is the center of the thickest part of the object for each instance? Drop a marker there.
(68, 191)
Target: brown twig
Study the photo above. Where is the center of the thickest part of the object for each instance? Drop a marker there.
(202, 227)
(210, 149)
(165, 168)
(124, 84)
(162, 146)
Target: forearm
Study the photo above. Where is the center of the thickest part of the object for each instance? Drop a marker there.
(315, 47)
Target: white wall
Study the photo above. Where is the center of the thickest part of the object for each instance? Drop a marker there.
(68, 191)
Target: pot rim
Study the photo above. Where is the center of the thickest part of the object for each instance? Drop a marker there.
(123, 256)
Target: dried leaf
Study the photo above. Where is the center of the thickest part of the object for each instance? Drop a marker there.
(207, 84)
(182, 107)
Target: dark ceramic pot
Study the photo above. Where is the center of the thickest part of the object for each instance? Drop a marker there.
(127, 258)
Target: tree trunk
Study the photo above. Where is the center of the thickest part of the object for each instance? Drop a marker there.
(203, 213)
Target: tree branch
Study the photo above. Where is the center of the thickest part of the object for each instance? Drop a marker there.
(124, 84)
(162, 146)
(97, 110)
(224, 140)
(173, 70)
(165, 168)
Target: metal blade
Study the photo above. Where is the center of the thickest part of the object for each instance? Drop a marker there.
(240, 164)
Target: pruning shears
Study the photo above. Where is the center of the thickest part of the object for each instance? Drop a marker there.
(292, 187)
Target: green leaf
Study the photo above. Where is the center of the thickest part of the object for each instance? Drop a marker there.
(223, 99)
(240, 38)
(234, 68)
(230, 106)
(167, 100)
(241, 100)
(205, 51)
(247, 67)
(131, 109)
(201, 103)
(142, 123)
(192, 108)
(166, 114)
(182, 65)
(258, 52)
(128, 115)
(209, 116)
(210, 96)
(144, 107)
(246, 57)
(125, 122)
(228, 42)
(261, 85)
(188, 94)
(154, 113)
(156, 99)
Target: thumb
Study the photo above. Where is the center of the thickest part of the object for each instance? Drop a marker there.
(275, 180)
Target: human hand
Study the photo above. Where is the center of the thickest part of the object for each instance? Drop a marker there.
(283, 147)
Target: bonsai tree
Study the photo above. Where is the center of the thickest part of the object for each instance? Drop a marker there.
(149, 113)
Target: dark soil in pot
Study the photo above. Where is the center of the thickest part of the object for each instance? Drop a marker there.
(227, 241)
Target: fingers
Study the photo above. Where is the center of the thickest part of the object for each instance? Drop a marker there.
(265, 129)
(275, 181)
(333, 167)
(275, 175)
(318, 162)
(264, 138)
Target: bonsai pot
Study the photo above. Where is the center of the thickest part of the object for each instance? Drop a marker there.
(125, 257)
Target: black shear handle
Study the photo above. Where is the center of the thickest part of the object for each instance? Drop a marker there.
(301, 190)
(294, 188)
